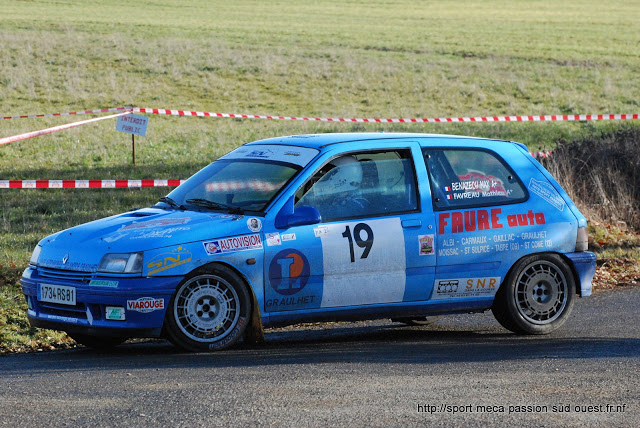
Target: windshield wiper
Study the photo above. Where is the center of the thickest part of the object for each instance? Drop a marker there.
(171, 202)
(214, 205)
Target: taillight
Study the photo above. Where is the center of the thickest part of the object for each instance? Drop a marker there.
(582, 241)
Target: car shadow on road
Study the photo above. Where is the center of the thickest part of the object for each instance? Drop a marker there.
(351, 344)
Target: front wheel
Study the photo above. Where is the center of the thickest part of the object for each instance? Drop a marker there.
(210, 311)
(537, 295)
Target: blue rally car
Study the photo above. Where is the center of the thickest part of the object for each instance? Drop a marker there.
(322, 227)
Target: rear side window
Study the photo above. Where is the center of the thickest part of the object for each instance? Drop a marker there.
(464, 178)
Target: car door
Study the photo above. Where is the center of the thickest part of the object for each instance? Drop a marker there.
(475, 193)
(374, 244)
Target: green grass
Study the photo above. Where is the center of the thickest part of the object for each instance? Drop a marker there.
(324, 58)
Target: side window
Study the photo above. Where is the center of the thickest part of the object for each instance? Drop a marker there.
(469, 178)
(362, 184)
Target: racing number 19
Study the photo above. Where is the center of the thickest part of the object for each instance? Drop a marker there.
(362, 243)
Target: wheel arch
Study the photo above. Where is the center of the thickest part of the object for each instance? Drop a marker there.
(576, 277)
(255, 330)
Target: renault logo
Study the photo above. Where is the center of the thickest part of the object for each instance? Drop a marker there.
(65, 259)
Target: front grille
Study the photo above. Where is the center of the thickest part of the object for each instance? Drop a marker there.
(78, 311)
(70, 275)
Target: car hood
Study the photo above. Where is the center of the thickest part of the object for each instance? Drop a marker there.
(81, 248)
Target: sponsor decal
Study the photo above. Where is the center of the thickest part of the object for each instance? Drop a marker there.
(289, 301)
(115, 313)
(320, 230)
(254, 224)
(145, 305)
(237, 243)
(161, 233)
(165, 261)
(546, 191)
(288, 237)
(101, 283)
(156, 223)
(426, 245)
(273, 239)
(61, 318)
(57, 263)
(289, 272)
(296, 155)
(470, 221)
(264, 154)
(465, 287)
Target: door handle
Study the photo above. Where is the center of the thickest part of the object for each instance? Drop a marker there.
(411, 223)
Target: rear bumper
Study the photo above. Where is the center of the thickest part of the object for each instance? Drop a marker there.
(584, 265)
(90, 316)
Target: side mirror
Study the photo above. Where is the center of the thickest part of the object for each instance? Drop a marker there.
(304, 215)
(290, 216)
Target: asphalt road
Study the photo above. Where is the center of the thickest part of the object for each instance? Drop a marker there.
(464, 370)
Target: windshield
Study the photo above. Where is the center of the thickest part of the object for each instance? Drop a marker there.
(241, 180)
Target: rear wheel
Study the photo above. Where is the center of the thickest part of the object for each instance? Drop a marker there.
(537, 295)
(210, 311)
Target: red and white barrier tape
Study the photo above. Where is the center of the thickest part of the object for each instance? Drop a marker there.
(34, 116)
(480, 119)
(33, 134)
(540, 155)
(543, 118)
(85, 184)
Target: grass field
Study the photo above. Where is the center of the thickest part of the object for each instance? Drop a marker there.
(323, 58)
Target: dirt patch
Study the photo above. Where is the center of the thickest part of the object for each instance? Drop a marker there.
(616, 272)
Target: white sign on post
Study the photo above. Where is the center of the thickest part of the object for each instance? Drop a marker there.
(132, 124)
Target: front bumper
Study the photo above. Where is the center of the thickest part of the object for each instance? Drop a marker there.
(584, 265)
(93, 295)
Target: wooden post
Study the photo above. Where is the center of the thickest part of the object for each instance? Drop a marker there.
(133, 148)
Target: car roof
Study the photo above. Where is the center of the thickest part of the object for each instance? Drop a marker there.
(318, 141)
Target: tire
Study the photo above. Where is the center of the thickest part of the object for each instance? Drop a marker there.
(97, 342)
(537, 296)
(418, 321)
(210, 311)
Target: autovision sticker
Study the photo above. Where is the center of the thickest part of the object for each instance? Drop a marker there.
(465, 287)
(237, 243)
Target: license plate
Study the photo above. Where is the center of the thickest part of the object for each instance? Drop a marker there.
(57, 294)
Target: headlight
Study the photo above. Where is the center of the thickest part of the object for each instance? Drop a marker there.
(35, 255)
(121, 263)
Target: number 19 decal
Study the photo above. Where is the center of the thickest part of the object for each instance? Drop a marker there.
(367, 243)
